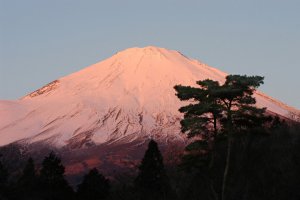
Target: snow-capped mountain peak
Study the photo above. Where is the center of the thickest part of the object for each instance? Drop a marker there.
(126, 97)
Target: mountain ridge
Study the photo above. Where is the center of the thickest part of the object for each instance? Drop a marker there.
(126, 97)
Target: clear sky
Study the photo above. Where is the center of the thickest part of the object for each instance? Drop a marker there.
(42, 40)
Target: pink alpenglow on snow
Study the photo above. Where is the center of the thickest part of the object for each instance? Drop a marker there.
(126, 97)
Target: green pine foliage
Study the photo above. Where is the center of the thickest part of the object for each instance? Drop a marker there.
(219, 110)
(200, 118)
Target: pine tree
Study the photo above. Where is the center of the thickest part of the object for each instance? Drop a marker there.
(223, 110)
(93, 187)
(152, 180)
(200, 118)
(3, 180)
(52, 182)
(26, 186)
(29, 174)
(3, 174)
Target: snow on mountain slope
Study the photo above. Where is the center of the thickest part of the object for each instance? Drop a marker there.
(120, 99)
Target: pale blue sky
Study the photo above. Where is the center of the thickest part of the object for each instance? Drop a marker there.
(42, 40)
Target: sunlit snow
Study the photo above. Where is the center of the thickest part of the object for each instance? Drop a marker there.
(120, 99)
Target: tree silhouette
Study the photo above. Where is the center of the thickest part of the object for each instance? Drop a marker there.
(94, 186)
(202, 117)
(3, 174)
(224, 110)
(29, 174)
(52, 182)
(27, 184)
(152, 180)
(3, 180)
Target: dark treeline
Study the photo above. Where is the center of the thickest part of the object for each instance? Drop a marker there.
(49, 183)
(265, 165)
(238, 151)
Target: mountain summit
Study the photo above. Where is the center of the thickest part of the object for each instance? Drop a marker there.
(127, 97)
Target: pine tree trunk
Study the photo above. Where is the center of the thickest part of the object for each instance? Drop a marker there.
(212, 146)
(212, 188)
(226, 171)
(212, 154)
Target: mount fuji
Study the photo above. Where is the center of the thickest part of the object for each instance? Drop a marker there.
(127, 98)
(120, 99)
